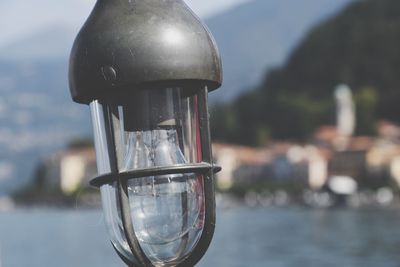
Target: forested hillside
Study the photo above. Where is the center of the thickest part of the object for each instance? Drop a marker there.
(359, 47)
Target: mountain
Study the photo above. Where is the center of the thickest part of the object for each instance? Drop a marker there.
(50, 44)
(260, 34)
(23, 18)
(358, 47)
(37, 115)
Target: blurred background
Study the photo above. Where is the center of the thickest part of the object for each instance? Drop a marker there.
(306, 128)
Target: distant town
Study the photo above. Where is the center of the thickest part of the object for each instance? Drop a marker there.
(334, 168)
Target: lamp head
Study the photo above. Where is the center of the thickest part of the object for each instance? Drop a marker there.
(145, 67)
(126, 45)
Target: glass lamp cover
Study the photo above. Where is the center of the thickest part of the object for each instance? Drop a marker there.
(153, 128)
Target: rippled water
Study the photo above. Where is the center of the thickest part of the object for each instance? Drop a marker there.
(244, 237)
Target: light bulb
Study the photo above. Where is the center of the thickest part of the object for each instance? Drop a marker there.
(167, 210)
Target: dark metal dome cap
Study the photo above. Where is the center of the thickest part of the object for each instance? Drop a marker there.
(129, 44)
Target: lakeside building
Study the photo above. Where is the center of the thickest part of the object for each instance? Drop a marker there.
(372, 162)
(66, 171)
(279, 162)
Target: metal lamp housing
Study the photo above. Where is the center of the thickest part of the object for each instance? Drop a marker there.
(145, 67)
(128, 43)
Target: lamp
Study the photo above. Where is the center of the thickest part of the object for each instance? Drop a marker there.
(145, 67)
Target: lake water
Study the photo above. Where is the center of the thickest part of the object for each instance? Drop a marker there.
(244, 237)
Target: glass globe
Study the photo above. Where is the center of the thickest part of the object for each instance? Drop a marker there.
(153, 128)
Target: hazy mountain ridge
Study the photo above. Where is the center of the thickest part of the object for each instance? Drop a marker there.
(259, 35)
(36, 117)
(50, 44)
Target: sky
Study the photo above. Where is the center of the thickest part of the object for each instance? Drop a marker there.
(23, 18)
